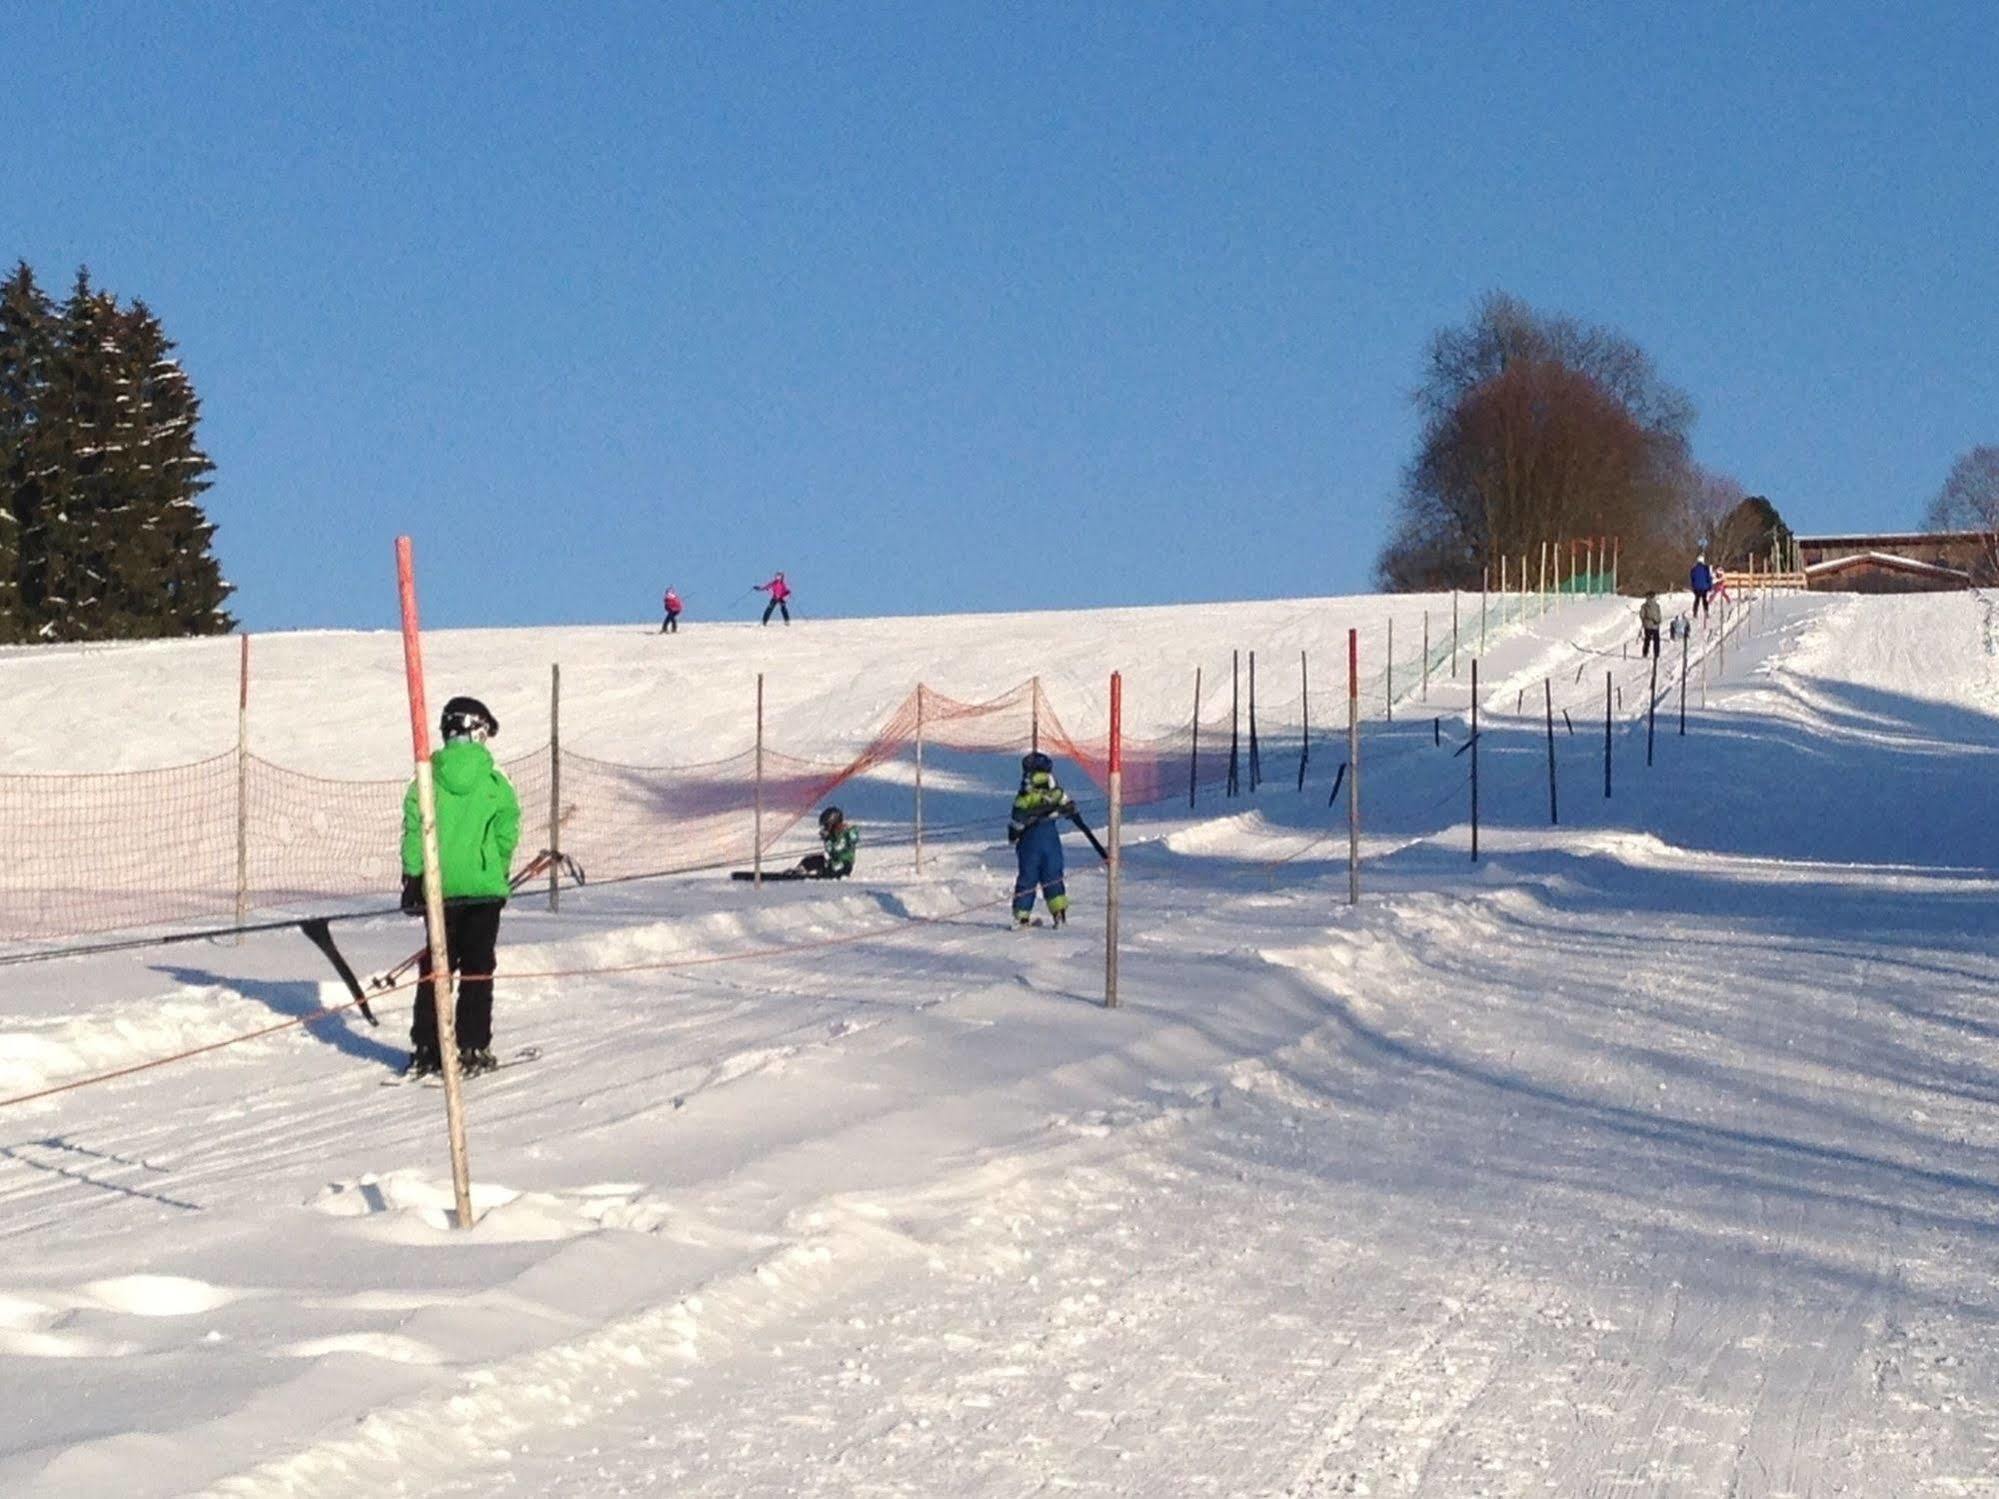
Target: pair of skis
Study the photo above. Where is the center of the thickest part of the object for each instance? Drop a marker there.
(436, 1079)
(318, 931)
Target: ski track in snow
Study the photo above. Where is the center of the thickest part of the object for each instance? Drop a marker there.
(1653, 1156)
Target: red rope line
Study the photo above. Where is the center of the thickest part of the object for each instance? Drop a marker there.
(660, 965)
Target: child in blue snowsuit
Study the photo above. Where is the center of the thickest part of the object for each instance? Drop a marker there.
(1035, 832)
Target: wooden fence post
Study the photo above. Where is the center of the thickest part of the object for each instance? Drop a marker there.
(444, 1001)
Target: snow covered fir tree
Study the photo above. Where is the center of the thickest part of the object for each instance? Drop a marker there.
(102, 533)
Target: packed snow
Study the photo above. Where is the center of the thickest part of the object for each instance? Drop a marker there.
(1653, 1152)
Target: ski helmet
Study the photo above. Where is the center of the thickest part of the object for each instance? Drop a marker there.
(830, 819)
(1034, 762)
(467, 717)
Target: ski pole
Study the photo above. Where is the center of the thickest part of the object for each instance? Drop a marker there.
(320, 935)
(535, 866)
(1102, 852)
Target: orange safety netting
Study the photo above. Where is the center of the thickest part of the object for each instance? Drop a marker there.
(98, 853)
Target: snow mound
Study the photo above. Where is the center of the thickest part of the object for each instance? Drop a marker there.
(412, 1207)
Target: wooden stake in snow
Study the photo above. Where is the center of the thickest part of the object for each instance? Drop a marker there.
(1113, 856)
(443, 990)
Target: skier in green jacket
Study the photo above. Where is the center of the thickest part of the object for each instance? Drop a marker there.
(478, 824)
(842, 839)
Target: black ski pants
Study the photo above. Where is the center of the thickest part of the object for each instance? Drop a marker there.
(1700, 602)
(471, 933)
(670, 625)
(779, 606)
(1651, 646)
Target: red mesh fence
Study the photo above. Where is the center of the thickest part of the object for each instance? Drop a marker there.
(97, 853)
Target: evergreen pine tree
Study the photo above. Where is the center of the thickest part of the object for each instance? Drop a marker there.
(168, 537)
(27, 353)
(80, 524)
(102, 534)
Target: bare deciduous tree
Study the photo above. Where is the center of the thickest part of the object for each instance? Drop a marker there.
(1535, 429)
(1969, 499)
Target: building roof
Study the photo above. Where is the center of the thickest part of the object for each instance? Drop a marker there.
(1888, 560)
(1893, 539)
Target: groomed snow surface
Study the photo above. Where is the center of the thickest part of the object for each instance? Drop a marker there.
(1654, 1153)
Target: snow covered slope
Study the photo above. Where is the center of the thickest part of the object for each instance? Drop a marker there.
(1652, 1153)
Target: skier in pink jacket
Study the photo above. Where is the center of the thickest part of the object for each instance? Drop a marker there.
(779, 591)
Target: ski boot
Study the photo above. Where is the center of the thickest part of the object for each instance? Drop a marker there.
(422, 1064)
(473, 1060)
(1059, 918)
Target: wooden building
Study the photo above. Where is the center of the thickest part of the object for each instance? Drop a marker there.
(1898, 562)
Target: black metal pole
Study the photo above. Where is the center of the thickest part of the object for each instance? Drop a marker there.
(1606, 734)
(1305, 733)
(1194, 752)
(1235, 721)
(1684, 639)
(1474, 759)
(1548, 696)
(1652, 708)
(1255, 754)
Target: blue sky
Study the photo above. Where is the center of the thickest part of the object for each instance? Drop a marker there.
(953, 307)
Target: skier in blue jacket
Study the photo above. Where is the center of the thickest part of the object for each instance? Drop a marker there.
(1701, 579)
(1035, 832)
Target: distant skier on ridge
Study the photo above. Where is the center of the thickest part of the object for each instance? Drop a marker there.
(779, 591)
(1701, 580)
(671, 603)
